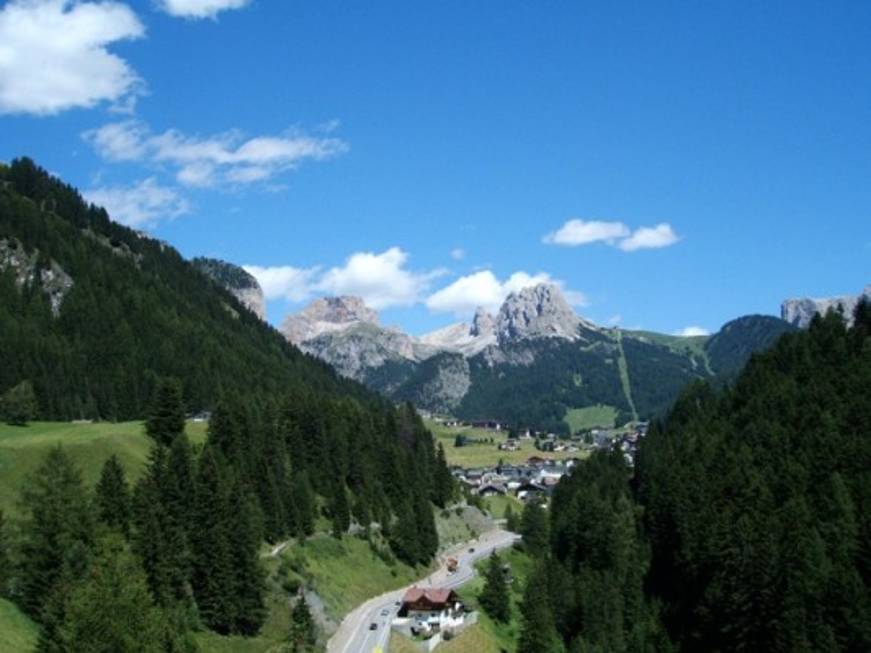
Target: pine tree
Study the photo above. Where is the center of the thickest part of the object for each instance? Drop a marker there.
(249, 579)
(213, 576)
(56, 519)
(303, 506)
(167, 417)
(494, 598)
(341, 514)
(113, 497)
(512, 522)
(534, 528)
(19, 405)
(160, 538)
(302, 626)
(537, 631)
(111, 609)
(444, 484)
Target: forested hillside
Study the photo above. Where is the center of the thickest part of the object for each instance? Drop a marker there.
(744, 527)
(135, 311)
(103, 322)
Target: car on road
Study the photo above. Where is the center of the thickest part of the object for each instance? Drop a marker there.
(373, 626)
(385, 612)
(472, 550)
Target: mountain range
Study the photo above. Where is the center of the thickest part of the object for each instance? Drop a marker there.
(531, 364)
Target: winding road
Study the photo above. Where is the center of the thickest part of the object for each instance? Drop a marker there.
(355, 635)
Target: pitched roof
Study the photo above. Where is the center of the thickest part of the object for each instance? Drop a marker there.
(432, 595)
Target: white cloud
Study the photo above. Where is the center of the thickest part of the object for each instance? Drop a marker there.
(582, 232)
(577, 232)
(382, 280)
(199, 8)
(614, 320)
(141, 204)
(458, 253)
(284, 282)
(483, 288)
(222, 158)
(54, 56)
(690, 331)
(662, 235)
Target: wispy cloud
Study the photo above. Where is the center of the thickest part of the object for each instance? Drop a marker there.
(458, 253)
(196, 9)
(662, 235)
(582, 232)
(142, 204)
(226, 158)
(54, 56)
(577, 232)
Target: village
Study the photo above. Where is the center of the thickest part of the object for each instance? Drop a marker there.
(535, 476)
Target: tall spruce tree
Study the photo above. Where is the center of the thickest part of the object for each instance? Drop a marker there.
(249, 578)
(213, 577)
(340, 511)
(167, 416)
(113, 500)
(534, 528)
(538, 632)
(494, 597)
(111, 609)
(56, 520)
(19, 404)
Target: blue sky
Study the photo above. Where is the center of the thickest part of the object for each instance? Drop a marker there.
(669, 164)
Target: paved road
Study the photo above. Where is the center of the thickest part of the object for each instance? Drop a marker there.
(354, 634)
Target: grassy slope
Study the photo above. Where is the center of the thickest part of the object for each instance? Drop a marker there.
(344, 573)
(485, 455)
(23, 448)
(590, 417)
(18, 633)
(496, 505)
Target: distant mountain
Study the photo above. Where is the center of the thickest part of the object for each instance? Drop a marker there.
(530, 364)
(239, 282)
(800, 312)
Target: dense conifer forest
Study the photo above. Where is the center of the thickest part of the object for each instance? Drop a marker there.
(743, 528)
(141, 334)
(136, 311)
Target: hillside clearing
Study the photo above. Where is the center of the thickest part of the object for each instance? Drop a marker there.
(22, 449)
(590, 417)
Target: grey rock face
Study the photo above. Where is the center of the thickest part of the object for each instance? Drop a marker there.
(327, 315)
(53, 279)
(800, 312)
(445, 389)
(537, 312)
(483, 324)
(359, 347)
(466, 339)
(239, 282)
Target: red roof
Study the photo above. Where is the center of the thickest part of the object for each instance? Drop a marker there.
(438, 596)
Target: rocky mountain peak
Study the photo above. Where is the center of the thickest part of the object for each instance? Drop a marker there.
(483, 324)
(537, 312)
(327, 315)
(340, 310)
(799, 312)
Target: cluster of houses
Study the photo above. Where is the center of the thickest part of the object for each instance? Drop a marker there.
(535, 478)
